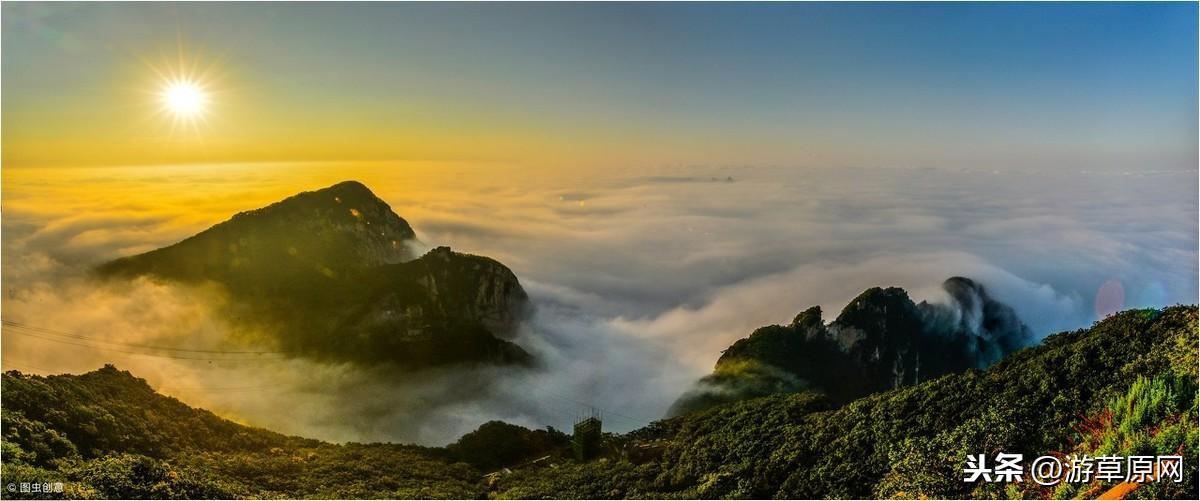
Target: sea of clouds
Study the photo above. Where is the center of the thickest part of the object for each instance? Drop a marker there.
(640, 277)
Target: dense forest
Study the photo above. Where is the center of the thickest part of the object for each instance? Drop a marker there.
(1125, 386)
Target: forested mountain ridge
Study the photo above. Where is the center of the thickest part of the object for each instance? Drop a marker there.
(107, 434)
(334, 274)
(334, 230)
(1126, 385)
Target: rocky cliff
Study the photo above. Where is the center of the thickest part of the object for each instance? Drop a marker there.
(331, 274)
(881, 340)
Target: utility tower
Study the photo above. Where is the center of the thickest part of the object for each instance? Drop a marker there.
(586, 440)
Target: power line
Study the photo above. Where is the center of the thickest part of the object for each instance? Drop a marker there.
(219, 388)
(586, 405)
(139, 353)
(10, 362)
(79, 340)
(44, 330)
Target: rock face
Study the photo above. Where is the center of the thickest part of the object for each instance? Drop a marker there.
(881, 340)
(993, 327)
(474, 286)
(880, 331)
(330, 274)
(442, 308)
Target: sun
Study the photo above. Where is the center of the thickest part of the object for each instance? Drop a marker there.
(184, 99)
(185, 91)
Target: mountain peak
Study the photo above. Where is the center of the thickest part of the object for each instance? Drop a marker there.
(308, 237)
(331, 274)
(877, 297)
(880, 340)
(349, 193)
(878, 316)
(351, 184)
(809, 318)
(347, 202)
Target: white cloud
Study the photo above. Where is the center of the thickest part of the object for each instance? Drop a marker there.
(641, 276)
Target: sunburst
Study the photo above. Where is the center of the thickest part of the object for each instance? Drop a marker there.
(185, 100)
(185, 90)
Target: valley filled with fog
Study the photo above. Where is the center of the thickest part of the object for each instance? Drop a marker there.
(639, 277)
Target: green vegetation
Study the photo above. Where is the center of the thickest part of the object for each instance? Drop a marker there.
(1156, 416)
(913, 441)
(497, 444)
(107, 434)
(1127, 385)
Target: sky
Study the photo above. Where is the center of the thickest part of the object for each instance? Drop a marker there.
(589, 85)
(663, 179)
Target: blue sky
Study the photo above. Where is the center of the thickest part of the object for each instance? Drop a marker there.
(1103, 85)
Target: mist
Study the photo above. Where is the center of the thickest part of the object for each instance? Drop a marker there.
(638, 277)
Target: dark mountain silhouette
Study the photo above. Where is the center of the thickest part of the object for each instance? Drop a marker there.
(881, 340)
(331, 274)
(305, 239)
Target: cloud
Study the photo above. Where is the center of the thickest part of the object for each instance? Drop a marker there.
(173, 336)
(640, 276)
(737, 310)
